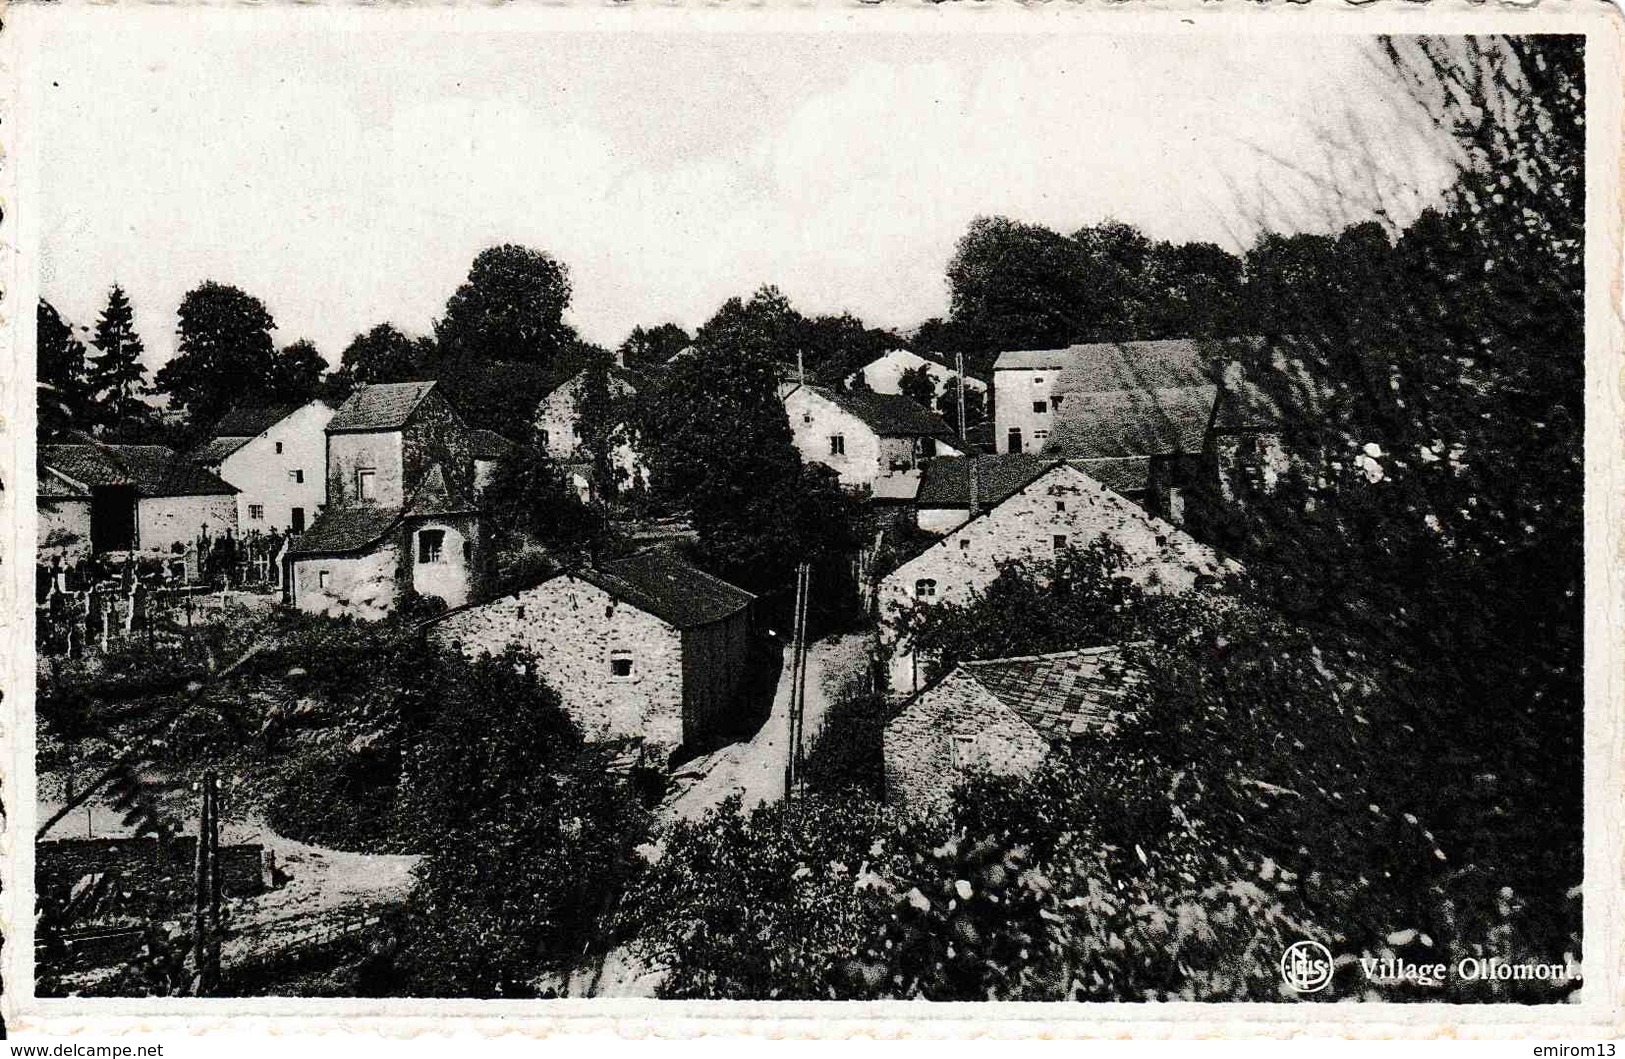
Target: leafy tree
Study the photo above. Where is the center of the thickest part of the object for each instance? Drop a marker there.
(511, 308)
(1017, 286)
(526, 830)
(720, 444)
(64, 395)
(297, 374)
(651, 347)
(918, 384)
(529, 496)
(383, 354)
(116, 375)
(975, 405)
(225, 356)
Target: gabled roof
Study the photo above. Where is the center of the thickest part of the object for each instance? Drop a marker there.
(1118, 423)
(55, 487)
(659, 582)
(1065, 694)
(345, 529)
(379, 406)
(152, 470)
(488, 444)
(1100, 366)
(890, 415)
(217, 449)
(434, 496)
(251, 422)
(946, 480)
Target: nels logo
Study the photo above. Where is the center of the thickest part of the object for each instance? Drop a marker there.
(1306, 967)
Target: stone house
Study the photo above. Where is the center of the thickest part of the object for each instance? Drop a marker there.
(277, 459)
(401, 514)
(645, 647)
(1001, 717)
(558, 421)
(488, 448)
(884, 372)
(1057, 507)
(864, 436)
(127, 498)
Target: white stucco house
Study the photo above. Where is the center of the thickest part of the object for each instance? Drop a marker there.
(884, 372)
(864, 436)
(277, 459)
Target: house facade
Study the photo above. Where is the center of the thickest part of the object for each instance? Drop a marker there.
(558, 421)
(1059, 507)
(864, 436)
(645, 647)
(883, 374)
(277, 459)
(1001, 717)
(97, 498)
(401, 515)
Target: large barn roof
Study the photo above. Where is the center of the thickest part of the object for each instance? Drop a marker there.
(152, 470)
(659, 582)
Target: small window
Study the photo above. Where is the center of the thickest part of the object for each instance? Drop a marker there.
(1060, 505)
(1040, 436)
(806, 417)
(1055, 400)
(365, 483)
(1041, 406)
(546, 440)
(430, 545)
(925, 588)
(520, 612)
(279, 448)
(1037, 379)
(321, 578)
(964, 544)
(620, 665)
(1013, 440)
(837, 445)
(256, 511)
(1060, 542)
(964, 750)
(297, 476)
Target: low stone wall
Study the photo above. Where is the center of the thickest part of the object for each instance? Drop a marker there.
(153, 876)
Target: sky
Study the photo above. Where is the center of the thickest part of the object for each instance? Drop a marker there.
(349, 178)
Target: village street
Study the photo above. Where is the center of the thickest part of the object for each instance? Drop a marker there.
(755, 770)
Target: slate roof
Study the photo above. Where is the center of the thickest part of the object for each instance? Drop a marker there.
(345, 529)
(1100, 366)
(488, 444)
(251, 422)
(54, 487)
(1116, 423)
(217, 449)
(379, 406)
(659, 582)
(153, 470)
(1062, 695)
(890, 415)
(946, 481)
(1128, 475)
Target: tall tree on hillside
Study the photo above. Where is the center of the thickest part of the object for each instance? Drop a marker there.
(1017, 286)
(116, 375)
(511, 308)
(652, 347)
(296, 374)
(225, 354)
(64, 397)
(720, 444)
(383, 354)
(767, 316)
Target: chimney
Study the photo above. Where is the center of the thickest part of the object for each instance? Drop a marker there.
(801, 370)
(620, 356)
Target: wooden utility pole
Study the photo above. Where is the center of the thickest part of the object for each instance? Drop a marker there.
(959, 375)
(206, 892)
(798, 682)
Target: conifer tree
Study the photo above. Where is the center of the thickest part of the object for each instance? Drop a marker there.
(116, 374)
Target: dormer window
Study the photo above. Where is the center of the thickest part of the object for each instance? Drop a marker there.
(366, 483)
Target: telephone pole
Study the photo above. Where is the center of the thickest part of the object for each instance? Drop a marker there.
(959, 377)
(798, 683)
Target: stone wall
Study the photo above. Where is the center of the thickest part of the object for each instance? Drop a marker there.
(164, 521)
(1062, 502)
(575, 630)
(453, 578)
(1014, 391)
(365, 586)
(715, 660)
(63, 529)
(380, 452)
(437, 434)
(158, 878)
(949, 732)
